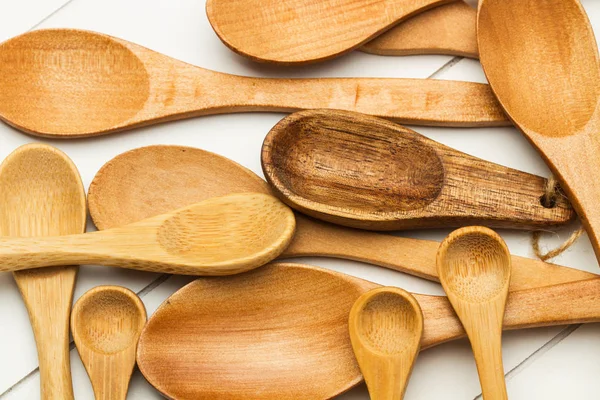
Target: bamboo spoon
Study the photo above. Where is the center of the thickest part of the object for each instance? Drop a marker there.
(152, 180)
(386, 326)
(364, 172)
(95, 84)
(219, 236)
(281, 332)
(474, 268)
(41, 193)
(546, 75)
(107, 322)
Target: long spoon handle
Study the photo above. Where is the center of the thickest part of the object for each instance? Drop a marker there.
(488, 357)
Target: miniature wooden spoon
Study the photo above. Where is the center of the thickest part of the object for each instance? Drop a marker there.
(107, 322)
(547, 76)
(474, 267)
(41, 193)
(219, 236)
(281, 332)
(72, 83)
(364, 172)
(152, 180)
(386, 326)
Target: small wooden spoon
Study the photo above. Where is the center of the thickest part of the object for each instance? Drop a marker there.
(105, 84)
(541, 59)
(364, 172)
(107, 322)
(152, 180)
(474, 267)
(219, 236)
(386, 326)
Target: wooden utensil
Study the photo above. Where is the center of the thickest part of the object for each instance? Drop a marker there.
(547, 76)
(364, 172)
(474, 268)
(95, 84)
(152, 180)
(107, 322)
(281, 332)
(219, 236)
(386, 326)
(41, 193)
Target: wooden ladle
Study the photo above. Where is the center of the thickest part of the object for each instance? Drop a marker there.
(541, 59)
(72, 83)
(219, 236)
(152, 180)
(107, 322)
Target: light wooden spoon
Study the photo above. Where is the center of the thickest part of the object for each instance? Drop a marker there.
(107, 322)
(41, 194)
(95, 84)
(541, 59)
(152, 180)
(474, 267)
(386, 326)
(219, 236)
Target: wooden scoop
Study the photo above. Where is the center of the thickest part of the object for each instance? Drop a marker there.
(219, 236)
(386, 326)
(474, 267)
(152, 180)
(95, 84)
(365, 172)
(41, 194)
(541, 59)
(281, 332)
(107, 322)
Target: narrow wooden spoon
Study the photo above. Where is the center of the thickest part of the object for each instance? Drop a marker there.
(474, 267)
(281, 332)
(541, 59)
(386, 326)
(41, 193)
(152, 180)
(365, 172)
(95, 84)
(219, 236)
(107, 322)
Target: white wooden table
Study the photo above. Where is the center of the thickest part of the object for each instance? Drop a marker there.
(549, 363)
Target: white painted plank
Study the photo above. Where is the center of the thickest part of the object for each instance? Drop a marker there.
(19, 16)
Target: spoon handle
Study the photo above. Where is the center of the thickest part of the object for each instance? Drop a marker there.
(488, 357)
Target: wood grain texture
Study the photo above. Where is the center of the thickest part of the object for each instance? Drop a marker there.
(41, 194)
(450, 29)
(107, 322)
(281, 332)
(548, 80)
(219, 236)
(96, 84)
(364, 172)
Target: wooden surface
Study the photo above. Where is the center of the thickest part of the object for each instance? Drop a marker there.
(365, 172)
(107, 322)
(41, 194)
(474, 268)
(219, 236)
(386, 326)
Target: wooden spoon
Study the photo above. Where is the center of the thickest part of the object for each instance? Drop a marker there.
(386, 326)
(281, 332)
(107, 322)
(93, 84)
(541, 59)
(219, 236)
(474, 267)
(364, 172)
(41, 193)
(152, 180)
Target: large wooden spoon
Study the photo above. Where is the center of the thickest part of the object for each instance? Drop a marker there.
(41, 193)
(541, 59)
(152, 180)
(281, 332)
